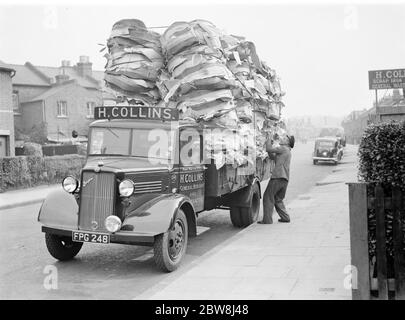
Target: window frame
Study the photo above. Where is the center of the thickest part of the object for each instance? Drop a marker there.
(60, 104)
(18, 109)
(182, 143)
(93, 104)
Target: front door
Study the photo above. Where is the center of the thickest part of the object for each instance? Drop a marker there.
(3, 146)
(191, 169)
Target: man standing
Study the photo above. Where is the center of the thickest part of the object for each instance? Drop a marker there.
(277, 186)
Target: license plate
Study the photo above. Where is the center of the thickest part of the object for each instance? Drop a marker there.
(92, 237)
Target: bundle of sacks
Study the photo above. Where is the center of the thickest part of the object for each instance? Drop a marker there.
(134, 61)
(208, 76)
(198, 82)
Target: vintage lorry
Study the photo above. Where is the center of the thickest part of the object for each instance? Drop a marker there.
(125, 195)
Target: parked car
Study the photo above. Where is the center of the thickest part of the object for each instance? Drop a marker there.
(329, 149)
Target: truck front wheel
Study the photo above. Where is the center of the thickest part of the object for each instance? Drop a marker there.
(62, 248)
(170, 247)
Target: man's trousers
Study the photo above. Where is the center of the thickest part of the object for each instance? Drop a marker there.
(273, 197)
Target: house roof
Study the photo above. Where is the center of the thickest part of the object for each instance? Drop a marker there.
(29, 74)
(26, 76)
(98, 75)
(6, 67)
(53, 90)
(87, 82)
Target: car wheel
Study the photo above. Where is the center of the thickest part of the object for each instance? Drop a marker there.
(170, 247)
(62, 248)
(315, 162)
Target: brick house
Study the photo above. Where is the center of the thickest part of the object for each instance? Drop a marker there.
(357, 121)
(61, 99)
(6, 111)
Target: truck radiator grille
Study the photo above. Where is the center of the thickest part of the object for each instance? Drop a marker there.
(96, 200)
(148, 186)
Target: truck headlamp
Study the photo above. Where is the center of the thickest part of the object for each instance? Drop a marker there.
(126, 188)
(112, 223)
(70, 184)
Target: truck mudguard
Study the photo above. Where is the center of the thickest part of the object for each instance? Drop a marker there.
(157, 215)
(242, 197)
(59, 210)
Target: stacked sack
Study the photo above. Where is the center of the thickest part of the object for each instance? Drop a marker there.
(208, 76)
(198, 82)
(134, 61)
(258, 94)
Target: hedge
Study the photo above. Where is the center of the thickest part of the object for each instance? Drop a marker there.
(382, 154)
(29, 171)
(382, 160)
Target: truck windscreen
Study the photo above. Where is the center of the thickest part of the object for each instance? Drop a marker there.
(130, 142)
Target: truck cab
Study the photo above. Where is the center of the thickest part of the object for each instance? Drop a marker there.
(144, 182)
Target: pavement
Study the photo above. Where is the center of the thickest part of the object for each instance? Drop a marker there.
(23, 197)
(306, 259)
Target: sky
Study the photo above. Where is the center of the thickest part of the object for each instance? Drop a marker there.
(322, 53)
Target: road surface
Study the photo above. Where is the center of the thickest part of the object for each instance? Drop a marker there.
(114, 271)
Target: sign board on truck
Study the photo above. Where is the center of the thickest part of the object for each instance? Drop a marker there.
(136, 112)
(386, 79)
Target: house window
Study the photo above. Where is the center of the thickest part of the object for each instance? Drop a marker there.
(62, 109)
(90, 109)
(16, 102)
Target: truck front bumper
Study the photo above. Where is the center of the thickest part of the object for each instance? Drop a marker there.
(123, 237)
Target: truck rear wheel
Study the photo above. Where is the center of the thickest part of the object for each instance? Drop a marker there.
(242, 217)
(236, 217)
(251, 214)
(62, 248)
(170, 247)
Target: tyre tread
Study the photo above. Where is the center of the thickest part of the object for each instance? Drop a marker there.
(58, 251)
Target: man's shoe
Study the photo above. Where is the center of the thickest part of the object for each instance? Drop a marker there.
(283, 220)
(262, 222)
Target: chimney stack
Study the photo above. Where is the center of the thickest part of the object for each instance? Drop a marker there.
(84, 66)
(62, 76)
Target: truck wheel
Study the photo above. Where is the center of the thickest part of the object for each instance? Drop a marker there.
(250, 215)
(315, 162)
(170, 247)
(242, 217)
(236, 218)
(62, 248)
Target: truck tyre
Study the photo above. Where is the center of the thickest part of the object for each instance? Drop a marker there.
(62, 248)
(242, 217)
(170, 247)
(236, 218)
(315, 162)
(251, 214)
